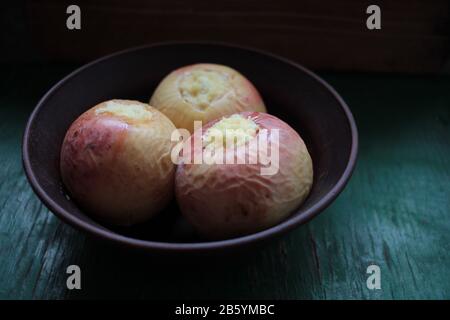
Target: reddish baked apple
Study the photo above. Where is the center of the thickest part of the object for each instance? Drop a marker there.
(242, 174)
(115, 161)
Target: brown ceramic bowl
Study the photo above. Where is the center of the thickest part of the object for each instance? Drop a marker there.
(291, 92)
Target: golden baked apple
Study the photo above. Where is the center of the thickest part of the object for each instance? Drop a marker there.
(204, 92)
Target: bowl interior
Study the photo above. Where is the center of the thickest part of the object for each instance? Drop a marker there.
(290, 93)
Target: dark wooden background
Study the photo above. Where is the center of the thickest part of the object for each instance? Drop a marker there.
(395, 211)
(326, 35)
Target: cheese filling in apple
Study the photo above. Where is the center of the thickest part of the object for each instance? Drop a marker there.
(130, 110)
(234, 129)
(202, 87)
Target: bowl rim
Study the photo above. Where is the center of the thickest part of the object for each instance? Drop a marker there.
(179, 247)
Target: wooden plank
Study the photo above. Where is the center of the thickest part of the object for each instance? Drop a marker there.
(322, 35)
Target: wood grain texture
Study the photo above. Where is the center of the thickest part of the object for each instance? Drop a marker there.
(327, 35)
(394, 213)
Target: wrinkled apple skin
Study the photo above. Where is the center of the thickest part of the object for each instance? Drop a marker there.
(242, 97)
(227, 200)
(119, 168)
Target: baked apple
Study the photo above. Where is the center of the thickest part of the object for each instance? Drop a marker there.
(204, 92)
(254, 182)
(115, 161)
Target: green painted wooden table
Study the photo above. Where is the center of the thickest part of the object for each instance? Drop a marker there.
(395, 213)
